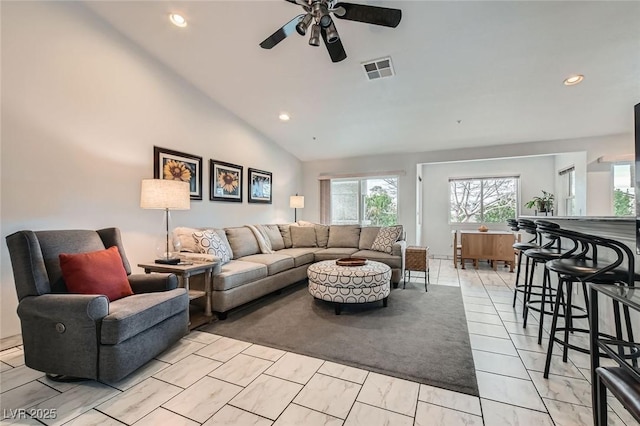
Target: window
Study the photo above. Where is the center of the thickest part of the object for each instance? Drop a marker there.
(367, 201)
(568, 177)
(483, 200)
(623, 190)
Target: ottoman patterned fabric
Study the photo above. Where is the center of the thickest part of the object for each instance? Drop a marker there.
(349, 284)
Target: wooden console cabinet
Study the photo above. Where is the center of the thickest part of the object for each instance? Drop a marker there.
(495, 246)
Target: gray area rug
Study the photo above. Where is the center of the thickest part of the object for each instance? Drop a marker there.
(420, 336)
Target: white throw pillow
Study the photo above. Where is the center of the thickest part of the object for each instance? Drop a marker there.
(210, 242)
(387, 236)
(185, 236)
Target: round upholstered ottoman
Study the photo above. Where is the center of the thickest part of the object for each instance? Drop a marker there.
(349, 284)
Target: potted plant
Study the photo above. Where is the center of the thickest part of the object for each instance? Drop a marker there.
(542, 204)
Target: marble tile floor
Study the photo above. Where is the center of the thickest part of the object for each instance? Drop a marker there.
(211, 380)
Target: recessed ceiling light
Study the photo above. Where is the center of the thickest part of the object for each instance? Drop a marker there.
(178, 20)
(284, 116)
(573, 80)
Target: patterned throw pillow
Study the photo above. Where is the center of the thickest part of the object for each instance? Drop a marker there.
(211, 243)
(387, 236)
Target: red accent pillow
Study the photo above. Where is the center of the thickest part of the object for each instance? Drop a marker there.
(96, 272)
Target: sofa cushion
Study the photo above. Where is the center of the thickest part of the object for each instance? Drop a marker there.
(334, 253)
(286, 234)
(301, 256)
(367, 235)
(387, 259)
(273, 261)
(238, 272)
(210, 242)
(274, 235)
(242, 241)
(96, 272)
(344, 236)
(322, 235)
(387, 236)
(134, 314)
(303, 236)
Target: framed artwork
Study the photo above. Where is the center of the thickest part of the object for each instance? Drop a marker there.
(174, 165)
(225, 181)
(260, 184)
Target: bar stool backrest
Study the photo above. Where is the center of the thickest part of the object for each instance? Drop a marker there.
(580, 245)
(624, 253)
(591, 247)
(530, 228)
(546, 229)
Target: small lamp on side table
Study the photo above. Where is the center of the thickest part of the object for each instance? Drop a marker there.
(167, 195)
(296, 202)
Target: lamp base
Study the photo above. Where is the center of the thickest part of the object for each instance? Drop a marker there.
(168, 261)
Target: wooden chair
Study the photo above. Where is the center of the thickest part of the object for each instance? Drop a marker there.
(457, 249)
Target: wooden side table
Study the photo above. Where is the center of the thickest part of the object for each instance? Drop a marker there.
(184, 272)
(417, 259)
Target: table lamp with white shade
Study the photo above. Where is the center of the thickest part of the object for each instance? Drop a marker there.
(296, 202)
(166, 195)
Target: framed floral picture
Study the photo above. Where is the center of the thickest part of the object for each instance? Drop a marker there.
(174, 165)
(260, 185)
(225, 181)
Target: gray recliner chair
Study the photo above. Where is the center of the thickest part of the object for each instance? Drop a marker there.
(86, 336)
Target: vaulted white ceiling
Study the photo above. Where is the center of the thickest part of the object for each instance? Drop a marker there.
(467, 73)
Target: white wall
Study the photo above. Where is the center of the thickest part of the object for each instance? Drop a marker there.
(562, 162)
(536, 173)
(82, 108)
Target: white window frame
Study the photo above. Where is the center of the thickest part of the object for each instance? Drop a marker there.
(568, 175)
(632, 180)
(482, 178)
(362, 196)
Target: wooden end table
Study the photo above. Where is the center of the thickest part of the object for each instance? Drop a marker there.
(184, 271)
(416, 258)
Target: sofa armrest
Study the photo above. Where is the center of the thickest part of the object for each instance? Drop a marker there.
(61, 332)
(150, 283)
(398, 249)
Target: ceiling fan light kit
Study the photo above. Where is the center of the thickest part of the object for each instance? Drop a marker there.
(302, 26)
(319, 13)
(332, 34)
(314, 40)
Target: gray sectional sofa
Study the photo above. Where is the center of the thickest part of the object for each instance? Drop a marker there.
(255, 270)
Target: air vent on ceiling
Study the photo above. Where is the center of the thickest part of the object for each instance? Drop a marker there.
(378, 68)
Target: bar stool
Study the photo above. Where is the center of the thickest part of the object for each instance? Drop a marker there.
(529, 227)
(549, 251)
(588, 268)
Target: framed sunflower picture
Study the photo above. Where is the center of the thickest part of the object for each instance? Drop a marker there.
(226, 182)
(174, 165)
(260, 183)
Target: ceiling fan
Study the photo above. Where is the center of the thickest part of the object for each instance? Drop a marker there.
(318, 16)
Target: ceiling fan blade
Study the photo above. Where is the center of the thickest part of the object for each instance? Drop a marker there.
(282, 33)
(369, 14)
(335, 49)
